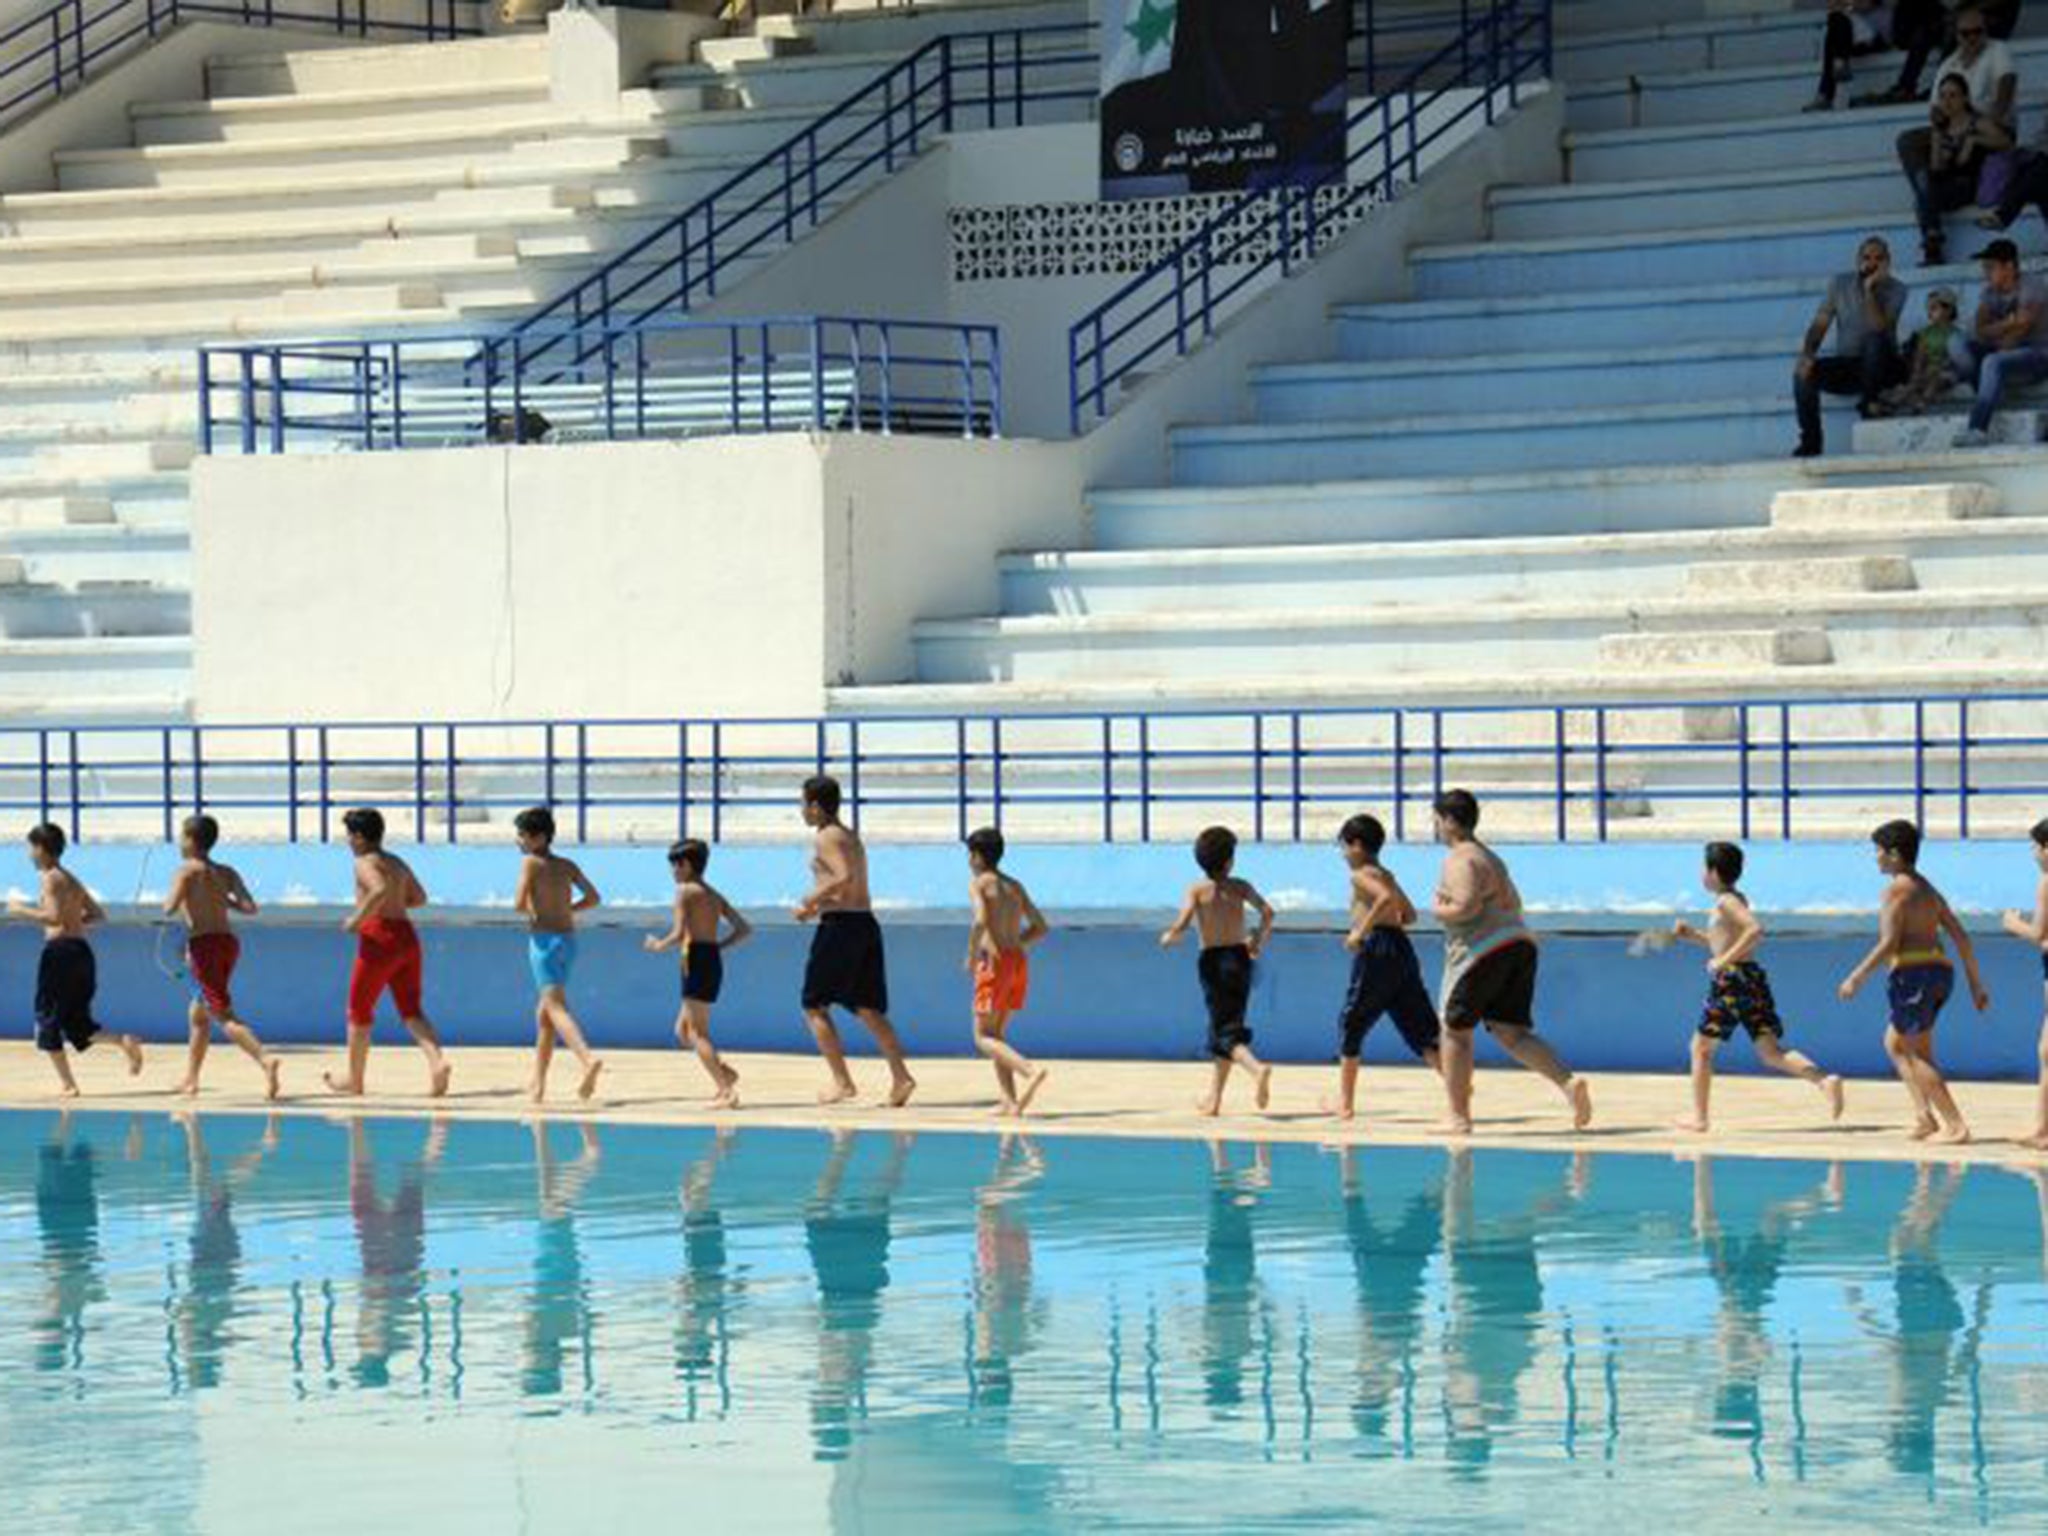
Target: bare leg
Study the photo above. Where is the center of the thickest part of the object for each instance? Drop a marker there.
(1530, 1049)
(130, 1047)
(1346, 1104)
(1703, 1049)
(556, 1003)
(199, 1035)
(1220, 1074)
(2039, 1140)
(696, 1025)
(1898, 1048)
(826, 1033)
(1262, 1075)
(358, 1063)
(901, 1084)
(1954, 1130)
(244, 1039)
(67, 1085)
(543, 1054)
(438, 1071)
(1008, 1062)
(1798, 1064)
(1456, 1052)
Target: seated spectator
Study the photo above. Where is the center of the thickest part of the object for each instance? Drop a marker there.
(2025, 187)
(1853, 29)
(1933, 371)
(1944, 160)
(1862, 308)
(2008, 343)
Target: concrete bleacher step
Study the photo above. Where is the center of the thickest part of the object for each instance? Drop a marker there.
(1802, 577)
(2023, 426)
(244, 310)
(112, 273)
(1725, 42)
(515, 58)
(150, 667)
(1737, 647)
(1869, 188)
(1884, 506)
(475, 104)
(42, 512)
(725, 52)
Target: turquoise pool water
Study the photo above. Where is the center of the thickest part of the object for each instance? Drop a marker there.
(229, 1325)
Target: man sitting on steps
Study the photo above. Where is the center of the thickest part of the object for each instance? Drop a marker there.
(1862, 308)
(2008, 344)
(1986, 69)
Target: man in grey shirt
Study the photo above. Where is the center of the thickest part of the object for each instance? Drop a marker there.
(2008, 343)
(1862, 308)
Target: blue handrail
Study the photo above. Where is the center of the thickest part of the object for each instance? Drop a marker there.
(669, 378)
(63, 47)
(1749, 768)
(1176, 303)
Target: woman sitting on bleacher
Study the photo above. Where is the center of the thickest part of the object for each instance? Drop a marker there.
(1944, 160)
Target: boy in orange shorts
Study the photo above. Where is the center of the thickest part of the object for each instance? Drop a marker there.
(1006, 924)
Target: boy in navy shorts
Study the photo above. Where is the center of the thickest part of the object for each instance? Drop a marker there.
(2035, 931)
(1386, 978)
(700, 911)
(1215, 906)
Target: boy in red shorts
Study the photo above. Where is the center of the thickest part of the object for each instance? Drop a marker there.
(388, 954)
(1006, 924)
(205, 894)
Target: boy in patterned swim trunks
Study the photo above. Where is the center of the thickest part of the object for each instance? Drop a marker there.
(1738, 991)
(1910, 926)
(2035, 931)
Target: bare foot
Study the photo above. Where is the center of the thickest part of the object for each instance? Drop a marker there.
(68, 1091)
(1004, 1109)
(1032, 1084)
(729, 1077)
(1957, 1135)
(1264, 1095)
(1691, 1124)
(1208, 1108)
(271, 1071)
(341, 1086)
(726, 1098)
(588, 1086)
(132, 1049)
(536, 1091)
(1338, 1111)
(1453, 1126)
(1837, 1096)
(188, 1089)
(1582, 1104)
(2037, 1142)
(900, 1094)
(838, 1093)
(437, 1081)
(1922, 1129)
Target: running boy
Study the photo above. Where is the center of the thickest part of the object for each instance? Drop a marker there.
(1386, 978)
(67, 976)
(205, 895)
(388, 955)
(552, 890)
(1215, 905)
(1738, 991)
(1006, 924)
(2035, 932)
(847, 968)
(1909, 929)
(695, 932)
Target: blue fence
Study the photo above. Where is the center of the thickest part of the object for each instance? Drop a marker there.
(673, 378)
(54, 52)
(1974, 765)
(1177, 302)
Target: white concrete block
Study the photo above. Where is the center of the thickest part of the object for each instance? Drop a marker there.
(724, 52)
(1794, 577)
(1936, 434)
(1717, 648)
(40, 512)
(1883, 505)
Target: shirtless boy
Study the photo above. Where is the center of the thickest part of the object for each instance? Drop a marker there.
(1006, 924)
(695, 932)
(2035, 931)
(1738, 991)
(1489, 966)
(552, 890)
(388, 954)
(1909, 929)
(205, 895)
(67, 976)
(1215, 906)
(847, 968)
(1386, 978)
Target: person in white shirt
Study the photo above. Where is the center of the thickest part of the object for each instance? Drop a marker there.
(1985, 68)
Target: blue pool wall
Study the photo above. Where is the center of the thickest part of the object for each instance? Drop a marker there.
(1101, 985)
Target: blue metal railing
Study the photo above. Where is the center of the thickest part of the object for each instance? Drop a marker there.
(1177, 302)
(672, 378)
(1753, 768)
(53, 52)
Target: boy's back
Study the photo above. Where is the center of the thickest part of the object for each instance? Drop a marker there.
(1375, 893)
(701, 906)
(206, 896)
(1918, 910)
(70, 901)
(551, 883)
(838, 851)
(1219, 911)
(1003, 904)
(392, 878)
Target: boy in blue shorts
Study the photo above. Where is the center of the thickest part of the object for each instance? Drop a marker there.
(551, 892)
(1738, 991)
(2035, 931)
(1910, 927)
(1386, 978)
(700, 912)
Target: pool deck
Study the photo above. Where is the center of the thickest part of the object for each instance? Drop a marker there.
(1397, 1105)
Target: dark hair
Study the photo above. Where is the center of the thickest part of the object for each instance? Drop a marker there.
(2040, 832)
(203, 830)
(822, 790)
(1725, 860)
(986, 843)
(537, 822)
(691, 851)
(1460, 807)
(47, 837)
(1900, 837)
(1366, 832)
(1214, 850)
(364, 823)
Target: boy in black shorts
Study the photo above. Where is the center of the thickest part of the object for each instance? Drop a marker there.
(700, 911)
(1215, 905)
(1738, 991)
(67, 977)
(1386, 978)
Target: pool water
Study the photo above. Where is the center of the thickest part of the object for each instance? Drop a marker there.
(225, 1324)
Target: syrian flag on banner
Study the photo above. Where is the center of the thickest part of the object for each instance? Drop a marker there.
(1137, 40)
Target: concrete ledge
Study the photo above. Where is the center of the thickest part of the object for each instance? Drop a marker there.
(1934, 433)
(1883, 505)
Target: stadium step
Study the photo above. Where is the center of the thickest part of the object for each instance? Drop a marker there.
(517, 58)
(480, 104)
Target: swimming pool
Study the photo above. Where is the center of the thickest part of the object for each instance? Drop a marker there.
(227, 1325)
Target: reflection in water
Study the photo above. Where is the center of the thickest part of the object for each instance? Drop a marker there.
(1048, 1335)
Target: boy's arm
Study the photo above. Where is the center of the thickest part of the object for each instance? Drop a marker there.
(1180, 923)
(89, 906)
(739, 930)
(655, 943)
(522, 894)
(1458, 896)
(1749, 935)
(1264, 908)
(1889, 936)
(977, 930)
(238, 897)
(834, 876)
(1035, 925)
(1690, 934)
(586, 893)
(1374, 896)
(45, 909)
(369, 897)
(174, 898)
(2035, 932)
(415, 893)
(1967, 953)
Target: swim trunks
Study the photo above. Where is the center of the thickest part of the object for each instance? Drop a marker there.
(703, 973)
(1917, 993)
(213, 957)
(1739, 997)
(551, 957)
(1498, 988)
(1226, 976)
(388, 958)
(846, 968)
(1386, 978)
(1001, 982)
(67, 977)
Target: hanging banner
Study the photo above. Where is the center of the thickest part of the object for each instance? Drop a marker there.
(1216, 95)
